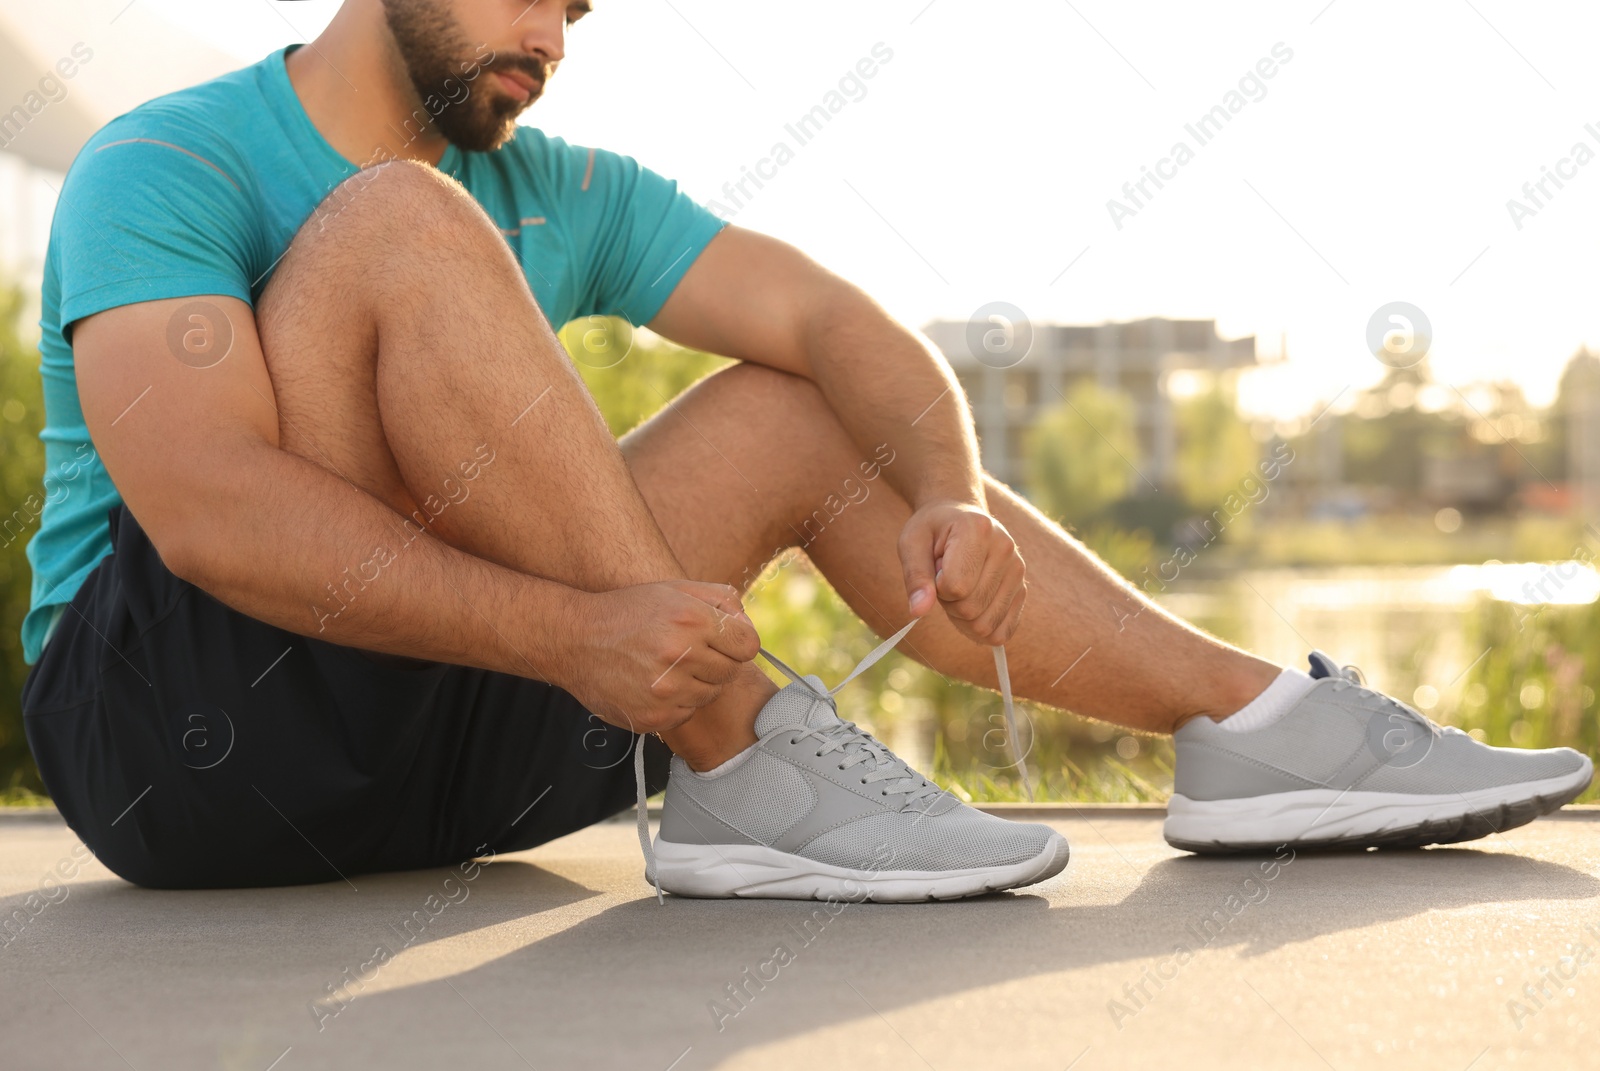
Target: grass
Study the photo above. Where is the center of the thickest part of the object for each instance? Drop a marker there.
(1536, 682)
(20, 796)
(1106, 780)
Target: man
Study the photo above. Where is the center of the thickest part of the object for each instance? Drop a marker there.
(348, 574)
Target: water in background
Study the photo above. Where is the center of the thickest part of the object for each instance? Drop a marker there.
(1407, 627)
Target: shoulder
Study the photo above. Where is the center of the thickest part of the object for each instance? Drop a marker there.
(207, 127)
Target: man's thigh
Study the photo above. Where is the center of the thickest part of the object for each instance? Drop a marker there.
(192, 746)
(733, 466)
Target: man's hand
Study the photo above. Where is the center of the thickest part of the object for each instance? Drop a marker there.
(955, 554)
(645, 658)
(756, 299)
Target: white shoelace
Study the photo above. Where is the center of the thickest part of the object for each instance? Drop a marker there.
(1352, 677)
(858, 747)
(847, 737)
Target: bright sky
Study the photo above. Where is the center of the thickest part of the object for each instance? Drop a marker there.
(979, 163)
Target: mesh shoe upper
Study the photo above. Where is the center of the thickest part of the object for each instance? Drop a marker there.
(1345, 736)
(823, 789)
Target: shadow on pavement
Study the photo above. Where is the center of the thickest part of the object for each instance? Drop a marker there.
(643, 978)
(645, 983)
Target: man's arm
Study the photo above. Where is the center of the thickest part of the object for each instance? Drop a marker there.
(194, 453)
(755, 298)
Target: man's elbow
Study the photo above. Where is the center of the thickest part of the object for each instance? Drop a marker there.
(196, 518)
(192, 540)
(186, 556)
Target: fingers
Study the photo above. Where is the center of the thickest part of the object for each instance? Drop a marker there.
(684, 687)
(712, 667)
(984, 613)
(1013, 619)
(723, 597)
(982, 581)
(732, 637)
(648, 656)
(917, 565)
(998, 623)
(685, 691)
(659, 719)
(705, 641)
(968, 570)
(720, 619)
(654, 715)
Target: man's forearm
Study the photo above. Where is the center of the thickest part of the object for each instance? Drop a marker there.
(887, 384)
(755, 298)
(291, 544)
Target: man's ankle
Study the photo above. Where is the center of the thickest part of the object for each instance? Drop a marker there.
(1247, 685)
(1233, 691)
(723, 729)
(1285, 692)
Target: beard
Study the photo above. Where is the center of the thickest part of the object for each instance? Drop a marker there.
(441, 64)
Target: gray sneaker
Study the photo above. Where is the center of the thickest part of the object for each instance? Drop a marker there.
(821, 810)
(1349, 767)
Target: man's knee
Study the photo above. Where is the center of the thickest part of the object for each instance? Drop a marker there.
(381, 226)
(747, 387)
(370, 242)
(397, 198)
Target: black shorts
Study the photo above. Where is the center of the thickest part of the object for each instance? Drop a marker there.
(192, 746)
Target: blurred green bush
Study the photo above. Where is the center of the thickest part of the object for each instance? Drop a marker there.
(21, 481)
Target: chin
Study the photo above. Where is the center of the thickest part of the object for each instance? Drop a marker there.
(486, 132)
(491, 140)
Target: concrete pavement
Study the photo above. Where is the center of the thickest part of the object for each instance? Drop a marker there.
(1478, 957)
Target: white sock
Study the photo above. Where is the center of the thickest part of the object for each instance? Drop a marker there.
(718, 771)
(1279, 698)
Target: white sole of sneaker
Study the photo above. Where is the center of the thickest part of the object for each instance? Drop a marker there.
(1326, 818)
(754, 871)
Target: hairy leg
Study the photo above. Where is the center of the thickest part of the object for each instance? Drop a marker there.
(751, 461)
(406, 352)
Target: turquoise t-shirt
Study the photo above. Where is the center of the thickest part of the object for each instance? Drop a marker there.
(199, 192)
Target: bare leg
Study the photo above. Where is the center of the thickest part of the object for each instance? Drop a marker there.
(1088, 642)
(405, 350)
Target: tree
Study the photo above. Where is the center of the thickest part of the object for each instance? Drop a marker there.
(1215, 449)
(21, 476)
(1083, 454)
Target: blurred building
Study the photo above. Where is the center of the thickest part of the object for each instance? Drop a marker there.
(1580, 396)
(1474, 480)
(1010, 386)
